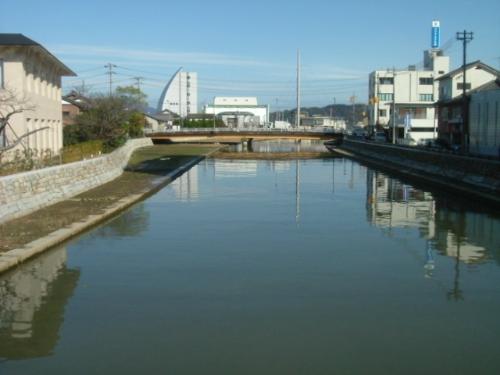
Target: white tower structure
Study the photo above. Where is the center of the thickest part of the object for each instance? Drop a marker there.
(180, 95)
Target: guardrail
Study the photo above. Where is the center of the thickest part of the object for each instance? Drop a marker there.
(300, 130)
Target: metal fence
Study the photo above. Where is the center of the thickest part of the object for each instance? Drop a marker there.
(300, 130)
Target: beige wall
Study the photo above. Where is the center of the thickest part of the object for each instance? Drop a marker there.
(38, 81)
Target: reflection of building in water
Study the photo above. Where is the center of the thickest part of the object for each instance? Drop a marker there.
(470, 236)
(32, 301)
(186, 186)
(465, 235)
(235, 168)
(280, 166)
(390, 204)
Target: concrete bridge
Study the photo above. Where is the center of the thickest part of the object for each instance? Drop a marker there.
(237, 135)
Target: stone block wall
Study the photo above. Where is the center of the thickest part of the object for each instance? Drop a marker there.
(23, 193)
(473, 172)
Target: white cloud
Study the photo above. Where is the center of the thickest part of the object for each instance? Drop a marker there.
(86, 53)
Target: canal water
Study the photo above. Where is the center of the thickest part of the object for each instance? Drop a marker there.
(266, 267)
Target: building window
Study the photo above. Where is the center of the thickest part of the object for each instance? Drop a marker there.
(460, 86)
(385, 97)
(386, 80)
(1, 75)
(426, 80)
(426, 97)
(382, 112)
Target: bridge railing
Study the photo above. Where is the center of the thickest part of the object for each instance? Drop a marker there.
(299, 130)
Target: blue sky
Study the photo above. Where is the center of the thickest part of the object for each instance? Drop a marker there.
(249, 48)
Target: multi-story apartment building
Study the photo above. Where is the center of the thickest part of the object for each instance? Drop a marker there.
(412, 94)
(30, 84)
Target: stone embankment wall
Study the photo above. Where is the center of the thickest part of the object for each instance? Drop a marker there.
(23, 193)
(475, 175)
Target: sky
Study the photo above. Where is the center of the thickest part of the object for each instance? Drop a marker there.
(248, 48)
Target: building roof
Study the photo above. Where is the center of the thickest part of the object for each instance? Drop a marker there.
(77, 99)
(477, 64)
(491, 85)
(23, 41)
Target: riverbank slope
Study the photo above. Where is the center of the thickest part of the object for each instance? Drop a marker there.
(149, 169)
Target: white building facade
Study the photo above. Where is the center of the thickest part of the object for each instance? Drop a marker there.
(180, 95)
(453, 113)
(239, 112)
(476, 74)
(412, 93)
(31, 76)
(335, 123)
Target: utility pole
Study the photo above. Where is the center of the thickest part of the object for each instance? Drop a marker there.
(276, 116)
(393, 106)
(110, 72)
(214, 113)
(465, 37)
(297, 120)
(138, 82)
(353, 101)
(180, 97)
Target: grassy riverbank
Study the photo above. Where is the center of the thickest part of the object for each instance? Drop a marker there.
(140, 177)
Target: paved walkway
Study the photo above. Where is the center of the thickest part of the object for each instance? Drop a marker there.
(149, 169)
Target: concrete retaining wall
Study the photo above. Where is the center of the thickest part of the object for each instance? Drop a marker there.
(23, 193)
(478, 176)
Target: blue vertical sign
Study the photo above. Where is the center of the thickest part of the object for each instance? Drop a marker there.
(436, 34)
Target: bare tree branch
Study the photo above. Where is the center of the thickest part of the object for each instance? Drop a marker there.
(12, 103)
(20, 139)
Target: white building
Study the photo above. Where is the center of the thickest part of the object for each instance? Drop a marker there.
(335, 123)
(239, 112)
(476, 75)
(413, 92)
(180, 95)
(453, 122)
(31, 76)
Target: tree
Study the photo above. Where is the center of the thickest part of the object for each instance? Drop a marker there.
(135, 99)
(11, 104)
(136, 123)
(106, 119)
(111, 119)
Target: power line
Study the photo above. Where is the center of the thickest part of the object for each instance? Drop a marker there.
(110, 72)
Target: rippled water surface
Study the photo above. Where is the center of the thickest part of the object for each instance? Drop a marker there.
(266, 267)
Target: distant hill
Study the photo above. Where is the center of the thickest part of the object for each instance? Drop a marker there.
(338, 110)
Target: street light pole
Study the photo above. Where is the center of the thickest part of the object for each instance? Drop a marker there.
(393, 106)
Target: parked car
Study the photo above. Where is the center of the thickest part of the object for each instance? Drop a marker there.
(379, 137)
(441, 144)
